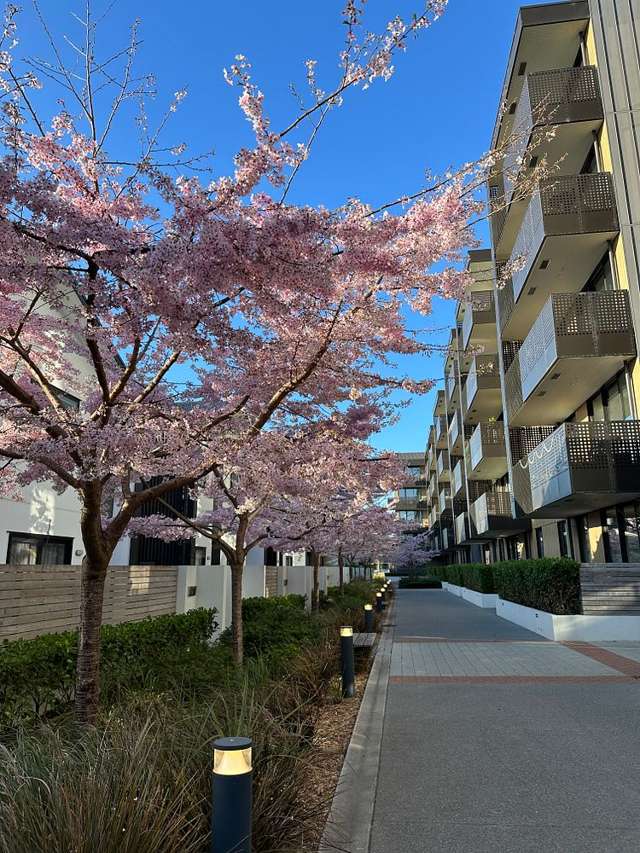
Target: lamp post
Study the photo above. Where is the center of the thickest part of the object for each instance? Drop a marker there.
(348, 667)
(368, 618)
(231, 791)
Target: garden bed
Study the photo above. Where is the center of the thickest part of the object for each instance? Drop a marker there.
(141, 781)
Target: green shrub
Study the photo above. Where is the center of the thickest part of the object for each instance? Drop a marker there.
(550, 584)
(479, 577)
(279, 626)
(420, 583)
(37, 676)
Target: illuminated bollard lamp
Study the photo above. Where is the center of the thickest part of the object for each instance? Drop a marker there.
(378, 602)
(368, 618)
(346, 658)
(232, 791)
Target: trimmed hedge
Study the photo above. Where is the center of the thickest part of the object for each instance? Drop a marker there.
(479, 577)
(420, 583)
(37, 676)
(278, 625)
(550, 584)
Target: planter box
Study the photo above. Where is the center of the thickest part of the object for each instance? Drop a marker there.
(586, 629)
(480, 599)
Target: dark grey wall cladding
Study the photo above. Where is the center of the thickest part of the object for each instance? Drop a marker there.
(616, 26)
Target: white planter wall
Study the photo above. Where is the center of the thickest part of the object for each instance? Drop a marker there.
(480, 599)
(578, 628)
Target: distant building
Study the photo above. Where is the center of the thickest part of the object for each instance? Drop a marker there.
(410, 499)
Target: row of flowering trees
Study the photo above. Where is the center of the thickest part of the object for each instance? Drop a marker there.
(119, 279)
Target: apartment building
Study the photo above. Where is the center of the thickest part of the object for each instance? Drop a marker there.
(535, 444)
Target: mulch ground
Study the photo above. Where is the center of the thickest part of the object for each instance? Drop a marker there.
(333, 728)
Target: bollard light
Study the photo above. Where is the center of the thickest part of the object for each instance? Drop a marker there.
(368, 618)
(231, 792)
(378, 602)
(348, 666)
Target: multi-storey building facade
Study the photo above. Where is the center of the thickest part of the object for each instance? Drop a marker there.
(535, 447)
(410, 500)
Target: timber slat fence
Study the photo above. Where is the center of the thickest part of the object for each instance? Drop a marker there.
(38, 600)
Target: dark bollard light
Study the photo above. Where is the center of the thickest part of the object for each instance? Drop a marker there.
(348, 667)
(368, 618)
(378, 602)
(232, 784)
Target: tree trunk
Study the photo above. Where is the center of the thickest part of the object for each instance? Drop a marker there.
(92, 581)
(237, 568)
(340, 568)
(93, 575)
(315, 595)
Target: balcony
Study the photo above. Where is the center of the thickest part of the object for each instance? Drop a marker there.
(483, 399)
(564, 234)
(433, 516)
(478, 324)
(491, 516)
(443, 466)
(487, 452)
(580, 339)
(578, 468)
(451, 386)
(441, 427)
(443, 500)
(461, 528)
(567, 99)
(446, 537)
(457, 478)
(455, 433)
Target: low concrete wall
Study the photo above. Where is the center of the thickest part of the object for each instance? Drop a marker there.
(480, 599)
(578, 628)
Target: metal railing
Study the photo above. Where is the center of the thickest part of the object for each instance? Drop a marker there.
(570, 325)
(451, 383)
(443, 464)
(457, 478)
(454, 428)
(487, 439)
(484, 372)
(580, 458)
(490, 505)
(479, 308)
(440, 426)
(461, 528)
(552, 97)
(562, 205)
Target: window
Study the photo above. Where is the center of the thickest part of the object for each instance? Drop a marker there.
(29, 549)
(201, 556)
(67, 400)
(631, 530)
(215, 556)
(539, 542)
(611, 536)
(601, 278)
(409, 494)
(582, 531)
(611, 403)
(288, 560)
(564, 539)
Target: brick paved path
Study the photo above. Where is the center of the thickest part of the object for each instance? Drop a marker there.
(498, 741)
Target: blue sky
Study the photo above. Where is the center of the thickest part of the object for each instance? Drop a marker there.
(437, 110)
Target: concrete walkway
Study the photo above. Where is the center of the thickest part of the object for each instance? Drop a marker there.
(498, 741)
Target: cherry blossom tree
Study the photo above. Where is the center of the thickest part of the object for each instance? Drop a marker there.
(288, 489)
(412, 551)
(114, 274)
